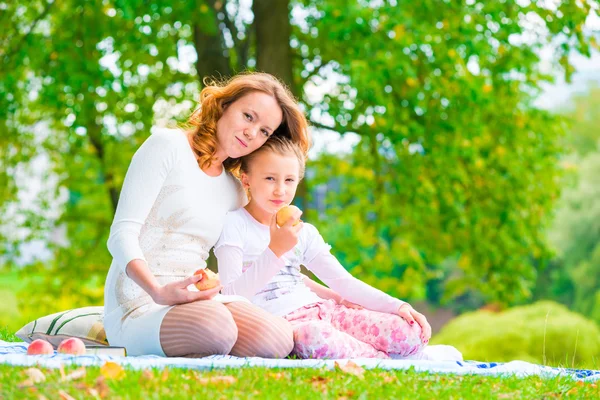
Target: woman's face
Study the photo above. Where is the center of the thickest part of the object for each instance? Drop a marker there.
(247, 123)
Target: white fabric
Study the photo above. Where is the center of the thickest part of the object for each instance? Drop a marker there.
(247, 267)
(170, 214)
(15, 354)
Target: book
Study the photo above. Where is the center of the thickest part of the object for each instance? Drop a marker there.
(105, 350)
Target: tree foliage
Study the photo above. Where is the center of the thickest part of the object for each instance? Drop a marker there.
(575, 233)
(455, 166)
(454, 160)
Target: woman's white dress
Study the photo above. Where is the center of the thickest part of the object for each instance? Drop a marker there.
(170, 214)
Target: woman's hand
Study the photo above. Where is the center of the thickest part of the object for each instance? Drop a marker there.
(410, 315)
(177, 293)
(284, 238)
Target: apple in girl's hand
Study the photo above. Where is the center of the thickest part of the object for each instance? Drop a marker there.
(73, 346)
(287, 212)
(39, 346)
(209, 279)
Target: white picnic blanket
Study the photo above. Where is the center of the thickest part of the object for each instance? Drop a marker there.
(15, 353)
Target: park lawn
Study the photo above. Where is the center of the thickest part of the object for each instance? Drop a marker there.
(259, 383)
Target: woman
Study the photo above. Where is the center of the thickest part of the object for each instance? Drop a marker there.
(176, 193)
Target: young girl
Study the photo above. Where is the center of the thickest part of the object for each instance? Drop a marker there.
(261, 261)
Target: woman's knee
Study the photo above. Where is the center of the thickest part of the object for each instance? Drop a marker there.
(218, 323)
(285, 338)
(205, 327)
(261, 334)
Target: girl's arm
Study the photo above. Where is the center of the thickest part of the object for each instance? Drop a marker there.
(322, 291)
(235, 282)
(329, 270)
(327, 294)
(230, 256)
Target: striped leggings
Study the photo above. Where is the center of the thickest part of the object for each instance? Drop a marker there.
(209, 327)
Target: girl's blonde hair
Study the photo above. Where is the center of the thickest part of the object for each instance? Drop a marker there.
(219, 93)
(280, 145)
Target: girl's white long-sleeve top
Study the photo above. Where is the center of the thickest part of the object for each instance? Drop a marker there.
(247, 267)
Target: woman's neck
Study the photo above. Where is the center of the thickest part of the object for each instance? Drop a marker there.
(259, 214)
(216, 166)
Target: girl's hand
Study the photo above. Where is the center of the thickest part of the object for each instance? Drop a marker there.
(349, 304)
(177, 293)
(410, 315)
(284, 238)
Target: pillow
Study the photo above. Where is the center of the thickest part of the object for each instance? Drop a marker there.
(84, 323)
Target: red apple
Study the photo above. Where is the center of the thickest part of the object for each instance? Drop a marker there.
(72, 346)
(39, 346)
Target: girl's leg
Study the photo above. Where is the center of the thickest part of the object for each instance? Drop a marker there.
(319, 339)
(385, 332)
(260, 334)
(198, 329)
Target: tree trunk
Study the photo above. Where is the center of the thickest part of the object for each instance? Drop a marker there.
(273, 30)
(211, 57)
(274, 55)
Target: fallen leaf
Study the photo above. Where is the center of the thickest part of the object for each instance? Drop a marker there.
(77, 374)
(276, 375)
(165, 375)
(387, 378)
(351, 368)
(94, 393)
(35, 375)
(218, 379)
(320, 382)
(147, 375)
(102, 387)
(112, 370)
(64, 395)
(348, 395)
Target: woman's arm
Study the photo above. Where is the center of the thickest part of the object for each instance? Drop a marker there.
(144, 180)
(172, 293)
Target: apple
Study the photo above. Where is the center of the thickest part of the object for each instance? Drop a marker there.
(209, 279)
(73, 346)
(39, 346)
(287, 212)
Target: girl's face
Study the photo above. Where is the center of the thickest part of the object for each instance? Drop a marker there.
(273, 179)
(247, 123)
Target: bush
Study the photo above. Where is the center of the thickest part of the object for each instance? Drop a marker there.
(518, 334)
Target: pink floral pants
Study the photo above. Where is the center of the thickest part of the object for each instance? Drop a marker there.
(328, 330)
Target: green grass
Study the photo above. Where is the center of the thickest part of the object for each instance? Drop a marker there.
(260, 383)
(8, 335)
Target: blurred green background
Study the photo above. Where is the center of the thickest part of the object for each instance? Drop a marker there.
(448, 168)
